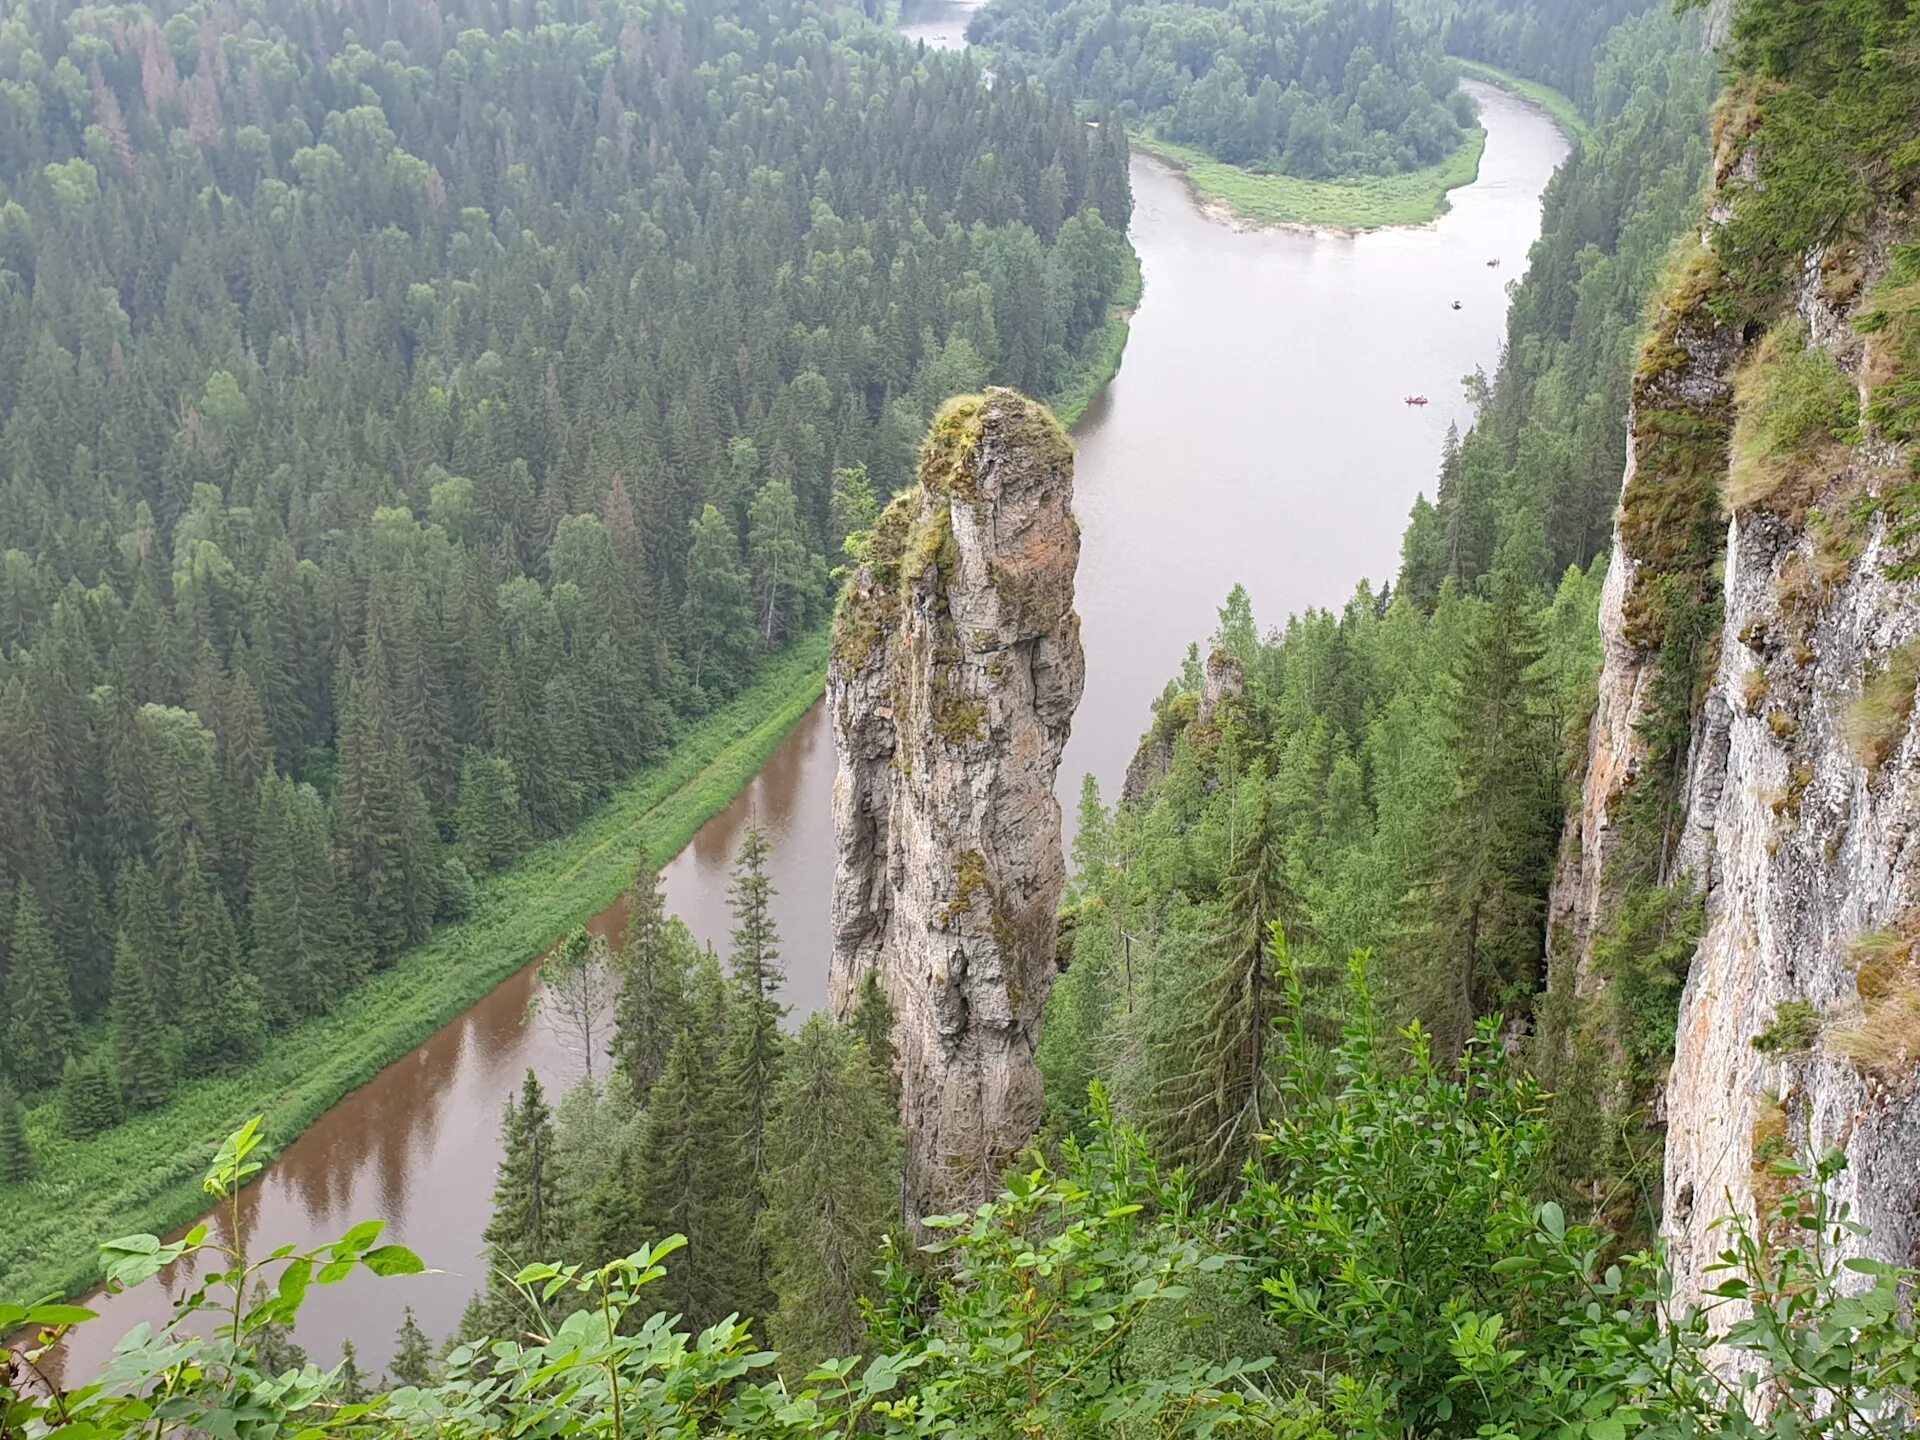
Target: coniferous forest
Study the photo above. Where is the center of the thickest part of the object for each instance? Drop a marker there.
(414, 417)
(1315, 90)
(419, 419)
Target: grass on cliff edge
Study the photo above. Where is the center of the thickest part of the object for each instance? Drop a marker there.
(1370, 202)
(144, 1174)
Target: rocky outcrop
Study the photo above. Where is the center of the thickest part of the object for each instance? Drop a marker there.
(1223, 681)
(1803, 845)
(956, 670)
(1806, 835)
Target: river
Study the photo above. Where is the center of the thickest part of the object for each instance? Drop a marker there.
(1255, 434)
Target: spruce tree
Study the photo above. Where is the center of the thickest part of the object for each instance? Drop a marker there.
(654, 960)
(526, 1199)
(149, 925)
(872, 1025)
(412, 1362)
(222, 1023)
(693, 1185)
(89, 1097)
(16, 1151)
(491, 824)
(757, 975)
(139, 1044)
(832, 1185)
(349, 1381)
(39, 1008)
(756, 1043)
(1212, 1093)
(1480, 936)
(783, 571)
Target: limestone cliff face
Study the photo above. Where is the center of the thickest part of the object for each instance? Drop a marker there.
(956, 671)
(1804, 846)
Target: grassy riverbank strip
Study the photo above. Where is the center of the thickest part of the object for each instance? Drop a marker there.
(1369, 202)
(1101, 352)
(144, 1175)
(1565, 113)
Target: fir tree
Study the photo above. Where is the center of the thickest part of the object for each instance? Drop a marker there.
(782, 568)
(693, 1185)
(654, 960)
(756, 1043)
(412, 1362)
(139, 1044)
(526, 1200)
(1213, 1093)
(832, 1185)
(1481, 937)
(349, 1380)
(491, 825)
(872, 1024)
(304, 951)
(39, 1009)
(89, 1097)
(223, 1026)
(16, 1151)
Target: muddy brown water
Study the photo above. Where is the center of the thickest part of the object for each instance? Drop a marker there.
(1255, 434)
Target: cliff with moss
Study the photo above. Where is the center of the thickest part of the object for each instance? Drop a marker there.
(1737, 912)
(955, 672)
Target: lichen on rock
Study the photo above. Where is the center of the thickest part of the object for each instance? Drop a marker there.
(956, 670)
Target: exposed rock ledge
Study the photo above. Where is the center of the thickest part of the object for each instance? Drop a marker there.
(955, 674)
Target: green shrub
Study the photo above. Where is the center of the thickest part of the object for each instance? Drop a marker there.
(1796, 1025)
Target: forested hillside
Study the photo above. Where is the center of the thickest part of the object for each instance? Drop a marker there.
(1553, 43)
(1311, 89)
(1392, 777)
(413, 416)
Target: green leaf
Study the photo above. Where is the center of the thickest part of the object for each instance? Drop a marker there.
(393, 1260)
(1608, 1427)
(58, 1315)
(360, 1237)
(1554, 1221)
